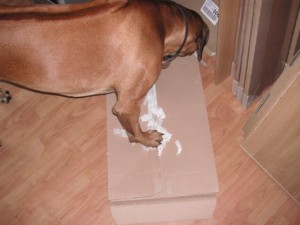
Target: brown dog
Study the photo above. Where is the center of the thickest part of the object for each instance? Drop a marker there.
(96, 48)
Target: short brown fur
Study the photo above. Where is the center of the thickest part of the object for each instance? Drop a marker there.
(96, 48)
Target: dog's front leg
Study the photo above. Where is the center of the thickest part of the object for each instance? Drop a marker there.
(128, 113)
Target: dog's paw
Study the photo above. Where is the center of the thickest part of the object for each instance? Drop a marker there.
(5, 96)
(150, 138)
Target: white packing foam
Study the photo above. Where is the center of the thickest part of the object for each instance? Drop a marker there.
(154, 119)
(179, 147)
(121, 132)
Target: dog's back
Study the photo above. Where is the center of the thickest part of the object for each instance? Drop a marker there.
(44, 47)
(92, 49)
(58, 9)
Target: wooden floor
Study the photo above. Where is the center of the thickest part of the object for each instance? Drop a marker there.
(53, 168)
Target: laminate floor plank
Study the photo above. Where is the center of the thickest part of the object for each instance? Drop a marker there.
(53, 168)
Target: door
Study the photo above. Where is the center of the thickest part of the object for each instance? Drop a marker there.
(263, 42)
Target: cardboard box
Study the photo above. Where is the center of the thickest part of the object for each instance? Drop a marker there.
(145, 187)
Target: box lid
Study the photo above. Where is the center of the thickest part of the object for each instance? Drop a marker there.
(136, 174)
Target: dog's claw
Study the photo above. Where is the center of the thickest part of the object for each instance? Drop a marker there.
(151, 138)
(5, 96)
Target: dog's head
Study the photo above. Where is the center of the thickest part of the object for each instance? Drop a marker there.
(198, 34)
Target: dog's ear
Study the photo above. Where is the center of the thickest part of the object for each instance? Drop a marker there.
(202, 40)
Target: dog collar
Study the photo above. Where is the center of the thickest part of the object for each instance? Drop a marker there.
(169, 58)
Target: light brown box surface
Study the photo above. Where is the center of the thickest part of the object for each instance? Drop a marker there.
(144, 187)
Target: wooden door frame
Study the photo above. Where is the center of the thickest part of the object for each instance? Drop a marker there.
(227, 29)
(252, 36)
